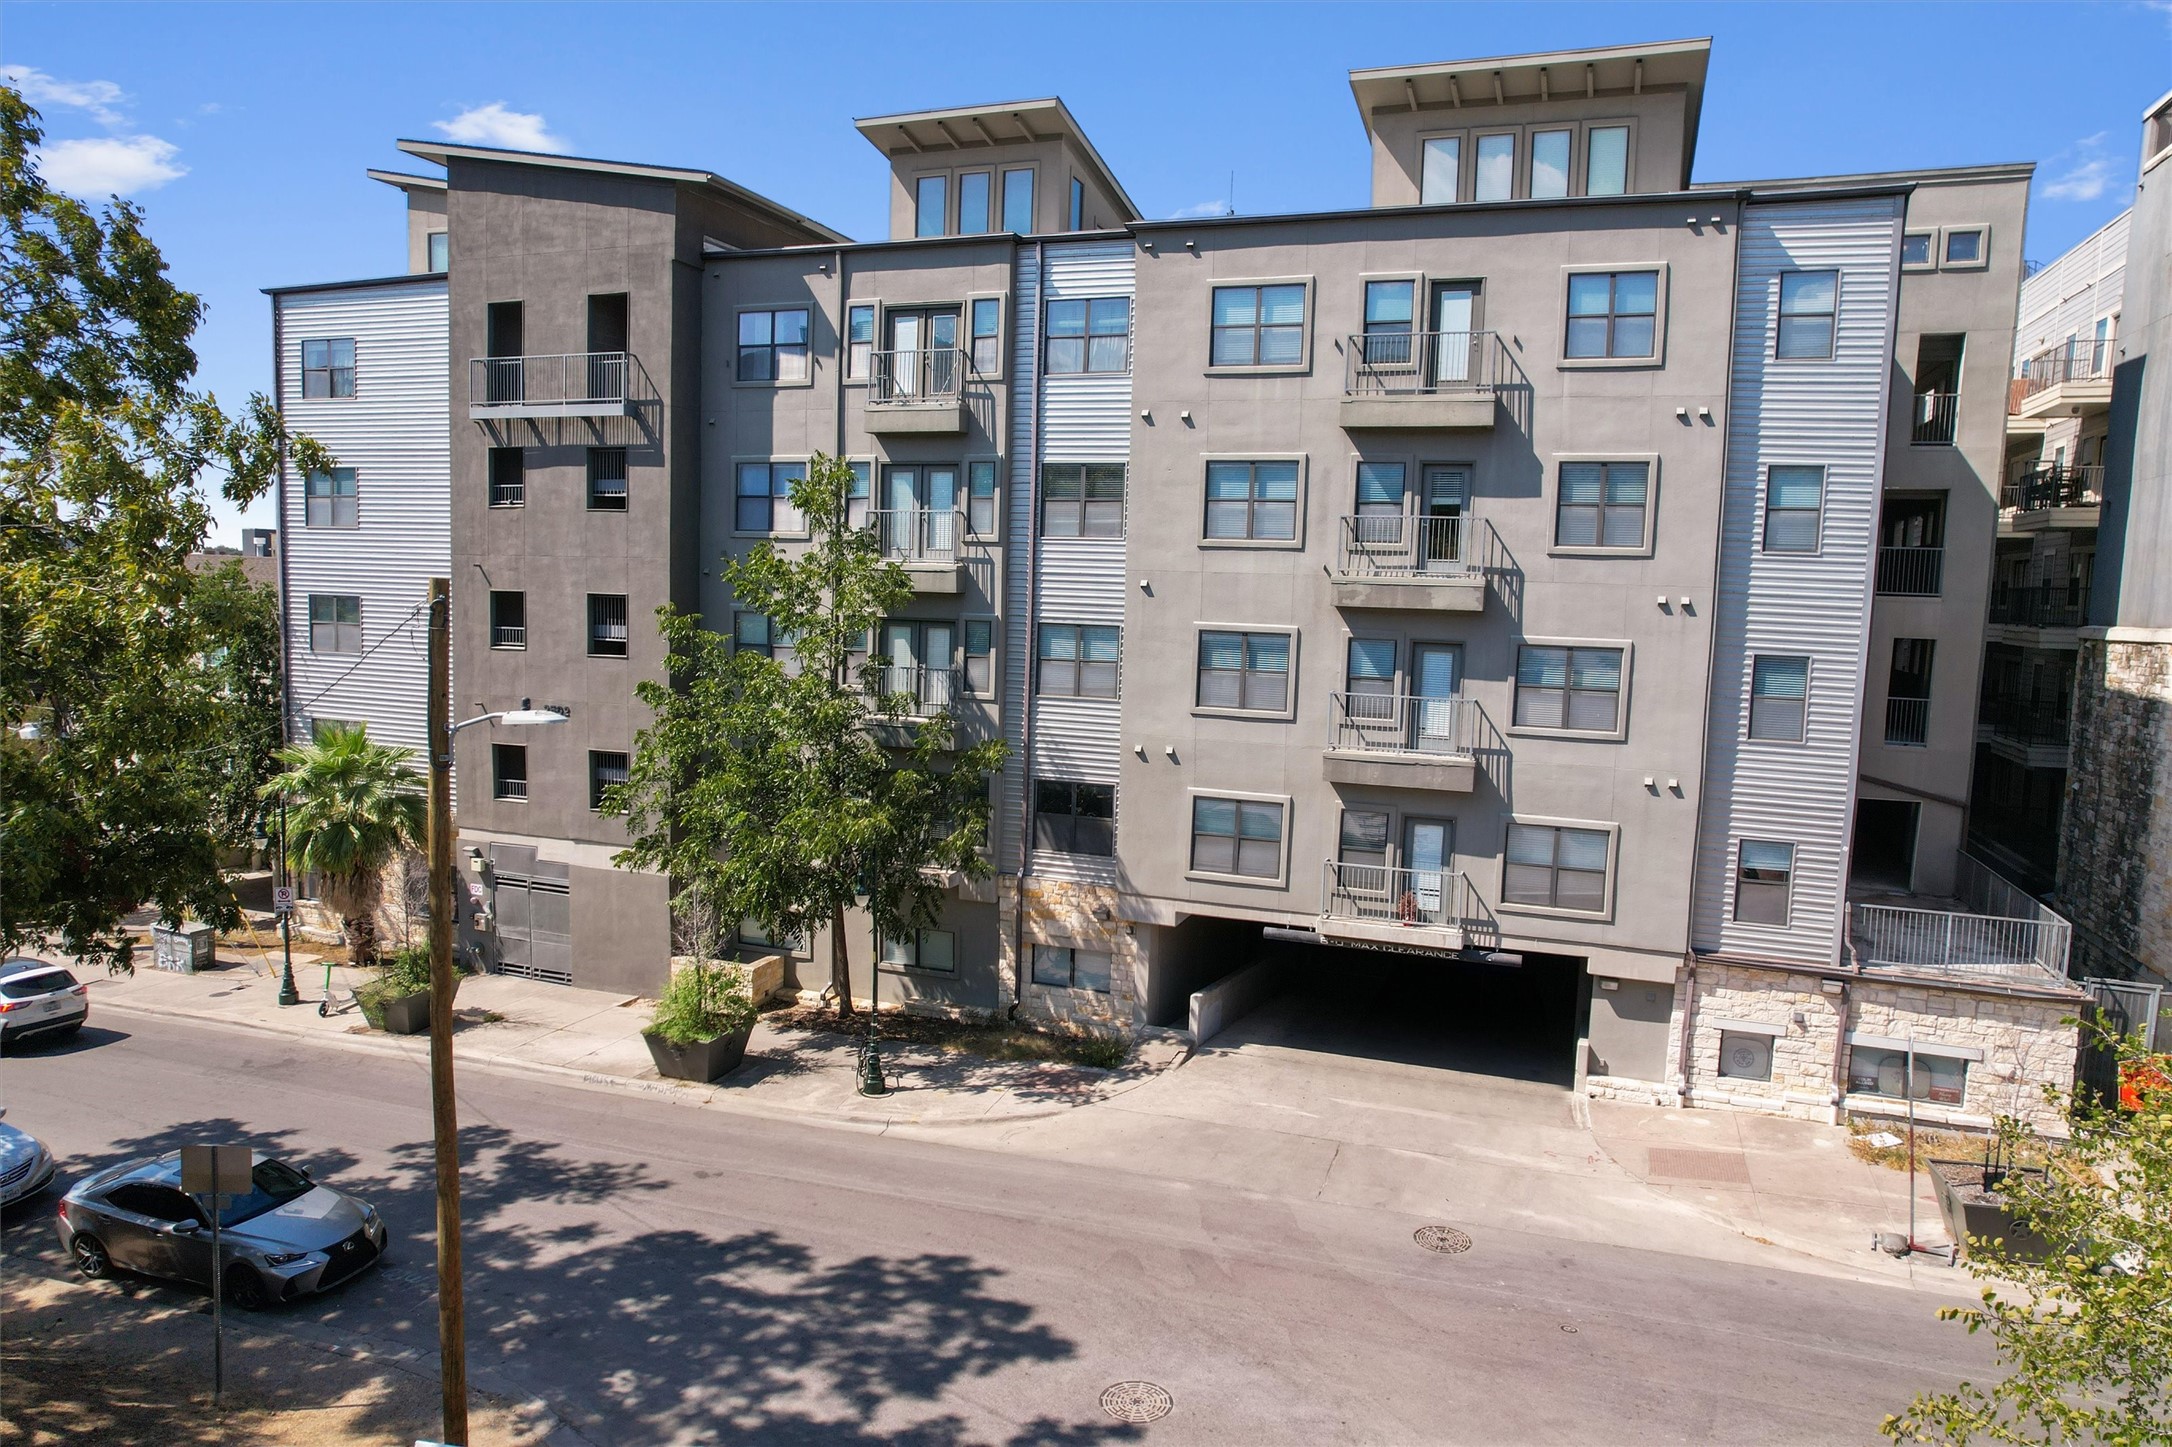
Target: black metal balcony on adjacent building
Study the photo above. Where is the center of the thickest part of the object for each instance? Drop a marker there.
(2035, 722)
(2042, 605)
(2042, 489)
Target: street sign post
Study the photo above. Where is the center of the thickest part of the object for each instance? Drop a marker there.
(282, 898)
(219, 1173)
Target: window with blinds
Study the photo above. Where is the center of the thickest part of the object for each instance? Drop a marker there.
(1559, 687)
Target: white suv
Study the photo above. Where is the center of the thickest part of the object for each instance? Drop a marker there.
(38, 998)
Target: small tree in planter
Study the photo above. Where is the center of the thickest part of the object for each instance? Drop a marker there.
(707, 1011)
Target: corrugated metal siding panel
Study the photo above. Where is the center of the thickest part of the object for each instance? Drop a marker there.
(1072, 738)
(2066, 297)
(1082, 580)
(1086, 419)
(1078, 868)
(1017, 594)
(1814, 605)
(1091, 268)
(394, 433)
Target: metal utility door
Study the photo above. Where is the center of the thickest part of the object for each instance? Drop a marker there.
(1443, 489)
(1455, 318)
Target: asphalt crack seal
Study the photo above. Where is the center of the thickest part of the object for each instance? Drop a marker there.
(1136, 1402)
(1444, 1240)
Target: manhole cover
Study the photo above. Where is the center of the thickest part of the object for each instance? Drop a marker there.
(1136, 1402)
(1446, 1240)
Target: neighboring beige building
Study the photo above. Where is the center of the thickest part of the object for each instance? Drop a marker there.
(1556, 578)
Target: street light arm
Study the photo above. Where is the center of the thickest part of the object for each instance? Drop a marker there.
(478, 719)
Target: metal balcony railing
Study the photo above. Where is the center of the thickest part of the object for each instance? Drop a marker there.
(918, 375)
(1392, 723)
(2043, 605)
(2075, 361)
(2000, 929)
(2041, 489)
(916, 534)
(571, 384)
(1910, 572)
(1404, 545)
(2033, 721)
(1936, 414)
(1380, 894)
(1907, 721)
(1423, 364)
(928, 691)
(508, 635)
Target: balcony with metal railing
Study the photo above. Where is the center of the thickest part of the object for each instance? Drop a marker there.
(1423, 909)
(1436, 380)
(1936, 417)
(1989, 929)
(2066, 380)
(925, 691)
(2041, 605)
(1403, 560)
(1401, 741)
(2057, 488)
(2033, 732)
(924, 540)
(571, 384)
(1911, 572)
(1908, 721)
(919, 390)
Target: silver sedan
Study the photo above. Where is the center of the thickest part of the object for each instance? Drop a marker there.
(26, 1166)
(286, 1238)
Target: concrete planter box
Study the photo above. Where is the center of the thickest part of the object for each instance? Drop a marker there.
(397, 1014)
(702, 1061)
(1972, 1211)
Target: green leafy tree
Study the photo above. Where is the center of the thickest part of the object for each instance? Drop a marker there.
(243, 618)
(352, 807)
(786, 791)
(2084, 1335)
(114, 650)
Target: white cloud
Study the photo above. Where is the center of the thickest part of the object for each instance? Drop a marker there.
(1204, 208)
(494, 125)
(109, 165)
(2089, 172)
(99, 97)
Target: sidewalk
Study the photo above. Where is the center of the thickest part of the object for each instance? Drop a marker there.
(595, 1036)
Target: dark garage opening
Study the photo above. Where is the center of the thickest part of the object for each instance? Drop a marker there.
(1439, 1012)
(1884, 855)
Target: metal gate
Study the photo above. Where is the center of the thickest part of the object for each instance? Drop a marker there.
(2124, 1008)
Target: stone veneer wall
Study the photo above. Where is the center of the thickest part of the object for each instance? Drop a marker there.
(2023, 1041)
(2115, 850)
(1060, 912)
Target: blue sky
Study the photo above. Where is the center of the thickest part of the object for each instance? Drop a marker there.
(244, 130)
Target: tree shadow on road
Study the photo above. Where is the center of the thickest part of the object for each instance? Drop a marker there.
(643, 1335)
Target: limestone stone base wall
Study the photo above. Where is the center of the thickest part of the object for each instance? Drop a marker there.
(2014, 1043)
(314, 917)
(2115, 849)
(1060, 912)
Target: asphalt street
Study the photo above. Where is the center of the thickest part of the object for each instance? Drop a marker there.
(659, 1274)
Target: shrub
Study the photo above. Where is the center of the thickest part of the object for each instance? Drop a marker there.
(406, 971)
(702, 1001)
(1108, 1052)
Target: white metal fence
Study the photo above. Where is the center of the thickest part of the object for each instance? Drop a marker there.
(1394, 723)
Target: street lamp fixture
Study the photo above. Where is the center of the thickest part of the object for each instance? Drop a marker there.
(444, 1121)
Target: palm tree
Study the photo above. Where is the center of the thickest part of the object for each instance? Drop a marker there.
(352, 806)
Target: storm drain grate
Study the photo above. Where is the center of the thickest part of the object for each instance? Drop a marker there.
(1446, 1240)
(1136, 1402)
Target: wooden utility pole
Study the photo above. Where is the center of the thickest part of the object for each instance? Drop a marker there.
(452, 1345)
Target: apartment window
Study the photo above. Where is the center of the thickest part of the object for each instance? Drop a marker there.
(1762, 871)
(923, 949)
(508, 619)
(1078, 204)
(1879, 1070)
(1964, 246)
(1065, 968)
(509, 771)
(979, 635)
(860, 493)
(1389, 311)
(1556, 867)
(1249, 671)
(1237, 836)
(329, 499)
(1745, 1055)
(987, 325)
(1794, 504)
(508, 477)
(439, 246)
(931, 204)
(764, 498)
(607, 479)
(1916, 249)
(751, 634)
(1082, 500)
(980, 498)
(1440, 174)
(1779, 689)
(1089, 334)
(1259, 326)
(605, 771)
(1074, 818)
(1602, 504)
(335, 623)
(773, 345)
(1364, 842)
(1252, 500)
(859, 343)
(1369, 671)
(1550, 164)
(1077, 660)
(328, 367)
(1496, 174)
(1568, 688)
(1807, 303)
(1018, 200)
(1606, 161)
(1613, 314)
(972, 203)
(1380, 495)
(607, 625)
(1908, 692)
